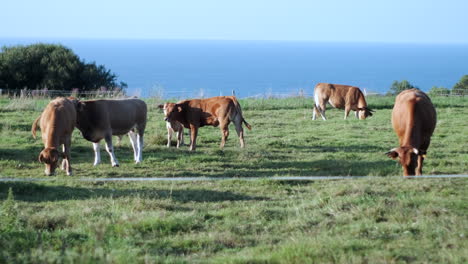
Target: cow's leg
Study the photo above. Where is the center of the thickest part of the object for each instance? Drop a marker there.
(169, 136)
(140, 146)
(346, 112)
(357, 114)
(97, 154)
(224, 133)
(133, 140)
(321, 109)
(110, 150)
(420, 165)
(66, 161)
(240, 132)
(314, 112)
(180, 137)
(193, 137)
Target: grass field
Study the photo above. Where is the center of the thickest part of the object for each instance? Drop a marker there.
(381, 219)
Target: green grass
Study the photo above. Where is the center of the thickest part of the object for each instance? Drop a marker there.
(373, 220)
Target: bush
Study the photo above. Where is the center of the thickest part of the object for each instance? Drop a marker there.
(461, 87)
(50, 66)
(398, 87)
(439, 91)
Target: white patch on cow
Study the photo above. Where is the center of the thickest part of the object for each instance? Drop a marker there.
(331, 103)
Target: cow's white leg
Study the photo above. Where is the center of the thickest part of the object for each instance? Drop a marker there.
(64, 161)
(314, 112)
(140, 148)
(133, 140)
(180, 137)
(346, 113)
(97, 154)
(357, 114)
(169, 137)
(110, 150)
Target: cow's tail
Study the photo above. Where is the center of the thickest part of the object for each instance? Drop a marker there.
(34, 126)
(239, 110)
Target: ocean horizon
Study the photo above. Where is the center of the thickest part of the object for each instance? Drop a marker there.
(204, 68)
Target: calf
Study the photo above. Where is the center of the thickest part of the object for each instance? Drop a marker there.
(414, 121)
(101, 119)
(215, 111)
(173, 126)
(340, 96)
(56, 122)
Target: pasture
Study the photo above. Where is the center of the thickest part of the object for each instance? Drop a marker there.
(381, 219)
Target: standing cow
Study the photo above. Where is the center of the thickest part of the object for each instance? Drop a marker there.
(215, 111)
(173, 126)
(56, 122)
(340, 96)
(101, 119)
(414, 121)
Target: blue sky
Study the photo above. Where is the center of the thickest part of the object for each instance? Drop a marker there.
(424, 21)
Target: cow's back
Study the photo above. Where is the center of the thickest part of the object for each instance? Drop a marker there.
(413, 117)
(119, 115)
(58, 118)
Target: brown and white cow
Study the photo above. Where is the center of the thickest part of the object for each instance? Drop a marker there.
(101, 119)
(173, 126)
(56, 122)
(414, 121)
(215, 111)
(340, 96)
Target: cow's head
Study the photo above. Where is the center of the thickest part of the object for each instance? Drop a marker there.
(364, 112)
(50, 157)
(410, 158)
(170, 110)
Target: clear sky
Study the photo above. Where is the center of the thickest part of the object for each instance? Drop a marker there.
(426, 21)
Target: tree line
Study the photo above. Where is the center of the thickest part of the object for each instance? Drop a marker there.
(52, 67)
(460, 88)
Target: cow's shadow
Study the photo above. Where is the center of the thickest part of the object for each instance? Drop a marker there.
(34, 192)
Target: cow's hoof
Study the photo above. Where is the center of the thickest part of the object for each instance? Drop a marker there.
(115, 165)
(69, 173)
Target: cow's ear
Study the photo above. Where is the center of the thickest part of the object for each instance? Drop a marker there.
(161, 106)
(393, 154)
(179, 108)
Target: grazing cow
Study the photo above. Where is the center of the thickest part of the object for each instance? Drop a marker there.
(173, 126)
(101, 119)
(414, 121)
(215, 111)
(56, 122)
(340, 96)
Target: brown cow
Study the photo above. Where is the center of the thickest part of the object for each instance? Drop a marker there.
(101, 119)
(172, 127)
(215, 111)
(340, 96)
(414, 121)
(56, 122)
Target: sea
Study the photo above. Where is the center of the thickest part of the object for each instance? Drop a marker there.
(205, 68)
